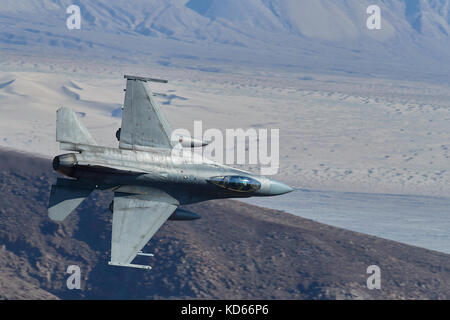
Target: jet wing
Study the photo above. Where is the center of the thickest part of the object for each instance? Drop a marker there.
(136, 219)
(143, 123)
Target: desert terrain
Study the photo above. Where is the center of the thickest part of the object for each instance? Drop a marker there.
(235, 251)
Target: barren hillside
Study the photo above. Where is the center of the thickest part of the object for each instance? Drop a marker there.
(235, 251)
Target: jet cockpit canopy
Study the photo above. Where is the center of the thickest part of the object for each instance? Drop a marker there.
(236, 183)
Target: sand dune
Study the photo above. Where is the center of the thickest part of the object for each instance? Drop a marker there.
(376, 136)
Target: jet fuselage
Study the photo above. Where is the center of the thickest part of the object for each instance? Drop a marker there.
(188, 179)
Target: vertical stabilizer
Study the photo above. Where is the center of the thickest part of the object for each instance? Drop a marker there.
(143, 123)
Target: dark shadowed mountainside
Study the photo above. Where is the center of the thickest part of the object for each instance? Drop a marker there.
(236, 251)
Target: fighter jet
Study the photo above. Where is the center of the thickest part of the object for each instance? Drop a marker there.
(150, 182)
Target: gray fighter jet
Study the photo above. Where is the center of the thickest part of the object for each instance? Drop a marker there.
(149, 181)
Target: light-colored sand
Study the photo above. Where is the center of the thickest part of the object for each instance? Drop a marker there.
(416, 220)
(348, 134)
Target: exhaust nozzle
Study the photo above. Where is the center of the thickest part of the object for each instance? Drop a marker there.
(65, 164)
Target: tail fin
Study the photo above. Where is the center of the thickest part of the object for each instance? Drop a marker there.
(65, 197)
(70, 130)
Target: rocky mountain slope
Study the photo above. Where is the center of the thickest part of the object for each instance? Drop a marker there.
(236, 251)
(320, 36)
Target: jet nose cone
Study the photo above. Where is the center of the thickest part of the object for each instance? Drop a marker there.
(277, 188)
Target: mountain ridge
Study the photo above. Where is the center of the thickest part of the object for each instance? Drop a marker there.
(316, 35)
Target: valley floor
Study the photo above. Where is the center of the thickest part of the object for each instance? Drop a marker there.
(336, 133)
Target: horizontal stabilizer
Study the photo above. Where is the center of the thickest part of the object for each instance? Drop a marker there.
(65, 197)
(69, 129)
